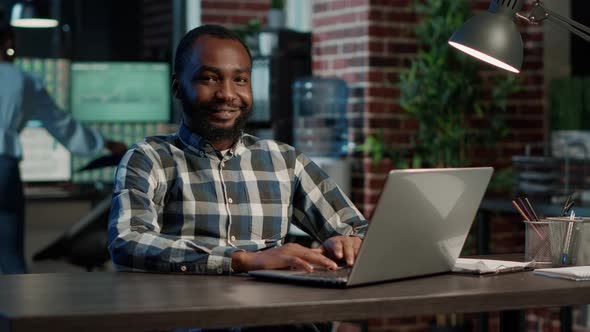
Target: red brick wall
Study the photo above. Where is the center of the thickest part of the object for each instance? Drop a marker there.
(366, 43)
(232, 13)
(156, 23)
(369, 43)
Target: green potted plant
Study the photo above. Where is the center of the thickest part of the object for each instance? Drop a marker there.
(382, 155)
(444, 93)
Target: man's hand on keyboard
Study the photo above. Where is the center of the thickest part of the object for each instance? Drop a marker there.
(342, 247)
(290, 255)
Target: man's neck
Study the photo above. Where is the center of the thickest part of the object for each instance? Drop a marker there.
(223, 144)
(219, 144)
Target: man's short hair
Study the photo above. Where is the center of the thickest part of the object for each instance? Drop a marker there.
(186, 43)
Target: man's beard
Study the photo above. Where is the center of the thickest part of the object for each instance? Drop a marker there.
(199, 115)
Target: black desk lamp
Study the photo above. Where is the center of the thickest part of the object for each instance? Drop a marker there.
(492, 36)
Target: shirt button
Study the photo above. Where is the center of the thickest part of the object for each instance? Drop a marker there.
(201, 153)
(233, 238)
(219, 270)
(183, 268)
(229, 200)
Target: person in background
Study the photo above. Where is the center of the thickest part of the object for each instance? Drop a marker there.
(23, 97)
(211, 199)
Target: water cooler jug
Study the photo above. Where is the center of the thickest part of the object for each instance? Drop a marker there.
(320, 126)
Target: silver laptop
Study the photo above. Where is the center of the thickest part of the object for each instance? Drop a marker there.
(418, 228)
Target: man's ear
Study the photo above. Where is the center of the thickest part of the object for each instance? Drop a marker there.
(175, 86)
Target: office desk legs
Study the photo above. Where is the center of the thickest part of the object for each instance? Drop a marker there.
(482, 322)
(512, 320)
(565, 316)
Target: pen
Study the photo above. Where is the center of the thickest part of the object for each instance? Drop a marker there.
(564, 210)
(524, 207)
(526, 218)
(536, 218)
(568, 237)
(520, 210)
(568, 207)
(530, 206)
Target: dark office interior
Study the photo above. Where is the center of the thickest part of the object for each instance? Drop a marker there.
(532, 127)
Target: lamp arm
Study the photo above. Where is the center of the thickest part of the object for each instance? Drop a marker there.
(540, 13)
(574, 27)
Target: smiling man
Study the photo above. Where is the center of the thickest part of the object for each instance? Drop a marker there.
(211, 199)
(213, 84)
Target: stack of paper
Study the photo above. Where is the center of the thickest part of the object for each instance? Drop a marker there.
(576, 273)
(487, 266)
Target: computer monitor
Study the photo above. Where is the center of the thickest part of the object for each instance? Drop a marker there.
(120, 91)
(127, 132)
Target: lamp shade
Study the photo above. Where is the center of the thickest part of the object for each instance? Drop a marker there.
(27, 15)
(493, 38)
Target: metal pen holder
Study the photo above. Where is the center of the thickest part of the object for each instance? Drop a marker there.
(558, 241)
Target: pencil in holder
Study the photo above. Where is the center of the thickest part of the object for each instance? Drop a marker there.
(567, 238)
(558, 241)
(537, 243)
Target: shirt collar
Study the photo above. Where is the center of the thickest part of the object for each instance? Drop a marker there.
(202, 145)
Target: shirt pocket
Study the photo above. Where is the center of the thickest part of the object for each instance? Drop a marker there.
(270, 219)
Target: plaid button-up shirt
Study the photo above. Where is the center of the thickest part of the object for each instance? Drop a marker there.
(180, 206)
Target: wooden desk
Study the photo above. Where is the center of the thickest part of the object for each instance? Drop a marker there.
(498, 205)
(108, 301)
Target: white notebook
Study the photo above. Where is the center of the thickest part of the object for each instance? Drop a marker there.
(488, 266)
(577, 273)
